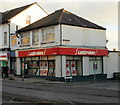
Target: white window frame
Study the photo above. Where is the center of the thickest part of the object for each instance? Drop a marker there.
(48, 34)
(35, 34)
(27, 36)
(27, 19)
(5, 38)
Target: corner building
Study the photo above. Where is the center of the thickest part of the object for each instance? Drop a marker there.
(60, 45)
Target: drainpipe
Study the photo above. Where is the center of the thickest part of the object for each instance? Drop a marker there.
(9, 46)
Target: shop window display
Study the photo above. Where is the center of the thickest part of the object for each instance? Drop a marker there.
(43, 68)
(71, 69)
(95, 65)
(73, 65)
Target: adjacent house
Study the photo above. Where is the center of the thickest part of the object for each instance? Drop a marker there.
(13, 20)
(60, 45)
(112, 64)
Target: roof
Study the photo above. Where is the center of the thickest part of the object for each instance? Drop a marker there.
(11, 13)
(61, 17)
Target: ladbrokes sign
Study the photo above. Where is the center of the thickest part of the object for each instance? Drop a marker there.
(36, 53)
(86, 52)
(63, 51)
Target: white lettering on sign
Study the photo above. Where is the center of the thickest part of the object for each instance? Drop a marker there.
(36, 53)
(87, 52)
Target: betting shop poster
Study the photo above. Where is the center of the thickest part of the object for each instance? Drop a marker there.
(73, 68)
(43, 68)
(67, 68)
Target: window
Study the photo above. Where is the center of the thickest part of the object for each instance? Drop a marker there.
(5, 38)
(73, 65)
(28, 19)
(35, 38)
(95, 65)
(48, 34)
(25, 39)
(13, 40)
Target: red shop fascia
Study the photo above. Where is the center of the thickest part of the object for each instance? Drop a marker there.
(63, 51)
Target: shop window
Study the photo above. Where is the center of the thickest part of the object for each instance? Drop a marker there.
(31, 68)
(28, 58)
(43, 68)
(35, 58)
(51, 57)
(28, 19)
(73, 65)
(25, 38)
(13, 40)
(43, 57)
(71, 69)
(69, 57)
(5, 38)
(35, 38)
(48, 34)
(95, 65)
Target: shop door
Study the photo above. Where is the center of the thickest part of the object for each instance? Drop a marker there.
(51, 68)
(32, 68)
(71, 69)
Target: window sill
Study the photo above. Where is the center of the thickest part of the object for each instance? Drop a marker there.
(35, 44)
(48, 42)
(24, 45)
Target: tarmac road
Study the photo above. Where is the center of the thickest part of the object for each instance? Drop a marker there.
(71, 93)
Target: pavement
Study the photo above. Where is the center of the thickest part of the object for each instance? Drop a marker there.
(107, 84)
(44, 90)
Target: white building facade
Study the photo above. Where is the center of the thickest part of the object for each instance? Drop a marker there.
(62, 45)
(13, 20)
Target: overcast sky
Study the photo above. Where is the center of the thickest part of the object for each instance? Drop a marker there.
(100, 12)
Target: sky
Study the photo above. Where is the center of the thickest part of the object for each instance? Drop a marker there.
(101, 12)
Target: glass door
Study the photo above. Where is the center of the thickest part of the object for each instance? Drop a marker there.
(51, 67)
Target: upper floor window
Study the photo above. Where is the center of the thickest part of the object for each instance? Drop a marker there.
(25, 38)
(28, 19)
(48, 34)
(5, 38)
(13, 40)
(35, 38)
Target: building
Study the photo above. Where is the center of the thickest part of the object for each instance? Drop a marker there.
(10, 22)
(112, 63)
(60, 45)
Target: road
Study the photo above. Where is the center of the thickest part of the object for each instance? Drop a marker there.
(69, 93)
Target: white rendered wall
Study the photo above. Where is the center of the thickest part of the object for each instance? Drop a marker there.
(41, 44)
(4, 28)
(1, 36)
(84, 36)
(85, 66)
(18, 72)
(111, 63)
(60, 66)
(34, 11)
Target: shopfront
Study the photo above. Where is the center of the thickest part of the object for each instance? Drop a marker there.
(61, 62)
(38, 66)
(3, 61)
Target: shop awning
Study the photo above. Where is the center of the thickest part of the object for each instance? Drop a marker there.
(63, 51)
